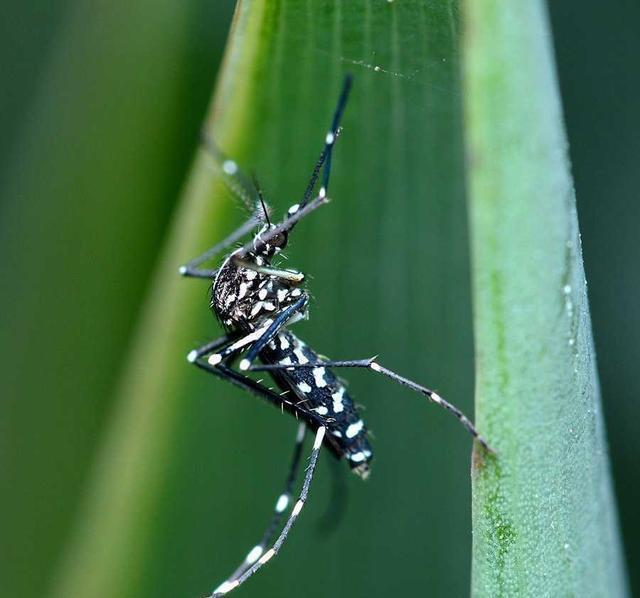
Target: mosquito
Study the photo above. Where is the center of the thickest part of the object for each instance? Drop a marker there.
(256, 302)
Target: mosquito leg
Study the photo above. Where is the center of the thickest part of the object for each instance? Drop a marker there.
(333, 132)
(374, 366)
(298, 211)
(232, 583)
(325, 156)
(225, 347)
(211, 346)
(283, 227)
(256, 339)
(257, 556)
(281, 401)
(282, 504)
(191, 269)
(278, 322)
(228, 351)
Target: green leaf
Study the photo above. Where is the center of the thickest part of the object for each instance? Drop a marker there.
(543, 510)
(187, 474)
(100, 145)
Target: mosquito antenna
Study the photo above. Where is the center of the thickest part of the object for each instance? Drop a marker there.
(261, 197)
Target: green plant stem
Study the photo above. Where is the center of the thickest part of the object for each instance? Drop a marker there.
(109, 553)
(543, 510)
(100, 145)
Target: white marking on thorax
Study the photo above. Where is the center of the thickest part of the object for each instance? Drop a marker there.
(322, 410)
(244, 287)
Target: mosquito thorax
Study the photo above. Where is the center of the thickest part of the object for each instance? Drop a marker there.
(243, 296)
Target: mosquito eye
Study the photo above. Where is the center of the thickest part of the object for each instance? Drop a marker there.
(279, 241)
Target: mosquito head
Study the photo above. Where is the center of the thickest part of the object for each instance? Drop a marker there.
(273, 244)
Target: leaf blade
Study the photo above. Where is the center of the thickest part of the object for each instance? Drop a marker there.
(544, 515)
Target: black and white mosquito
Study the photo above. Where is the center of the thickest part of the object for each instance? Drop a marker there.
(256, 302)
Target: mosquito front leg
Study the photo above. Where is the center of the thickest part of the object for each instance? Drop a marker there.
(191, 269)
(325, 157)
(298, 211)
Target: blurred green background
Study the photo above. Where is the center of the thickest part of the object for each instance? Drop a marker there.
(101, 108)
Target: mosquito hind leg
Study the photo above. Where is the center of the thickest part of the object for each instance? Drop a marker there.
(233, 583)
(258, 556)
(282, 504)
(373, 365)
